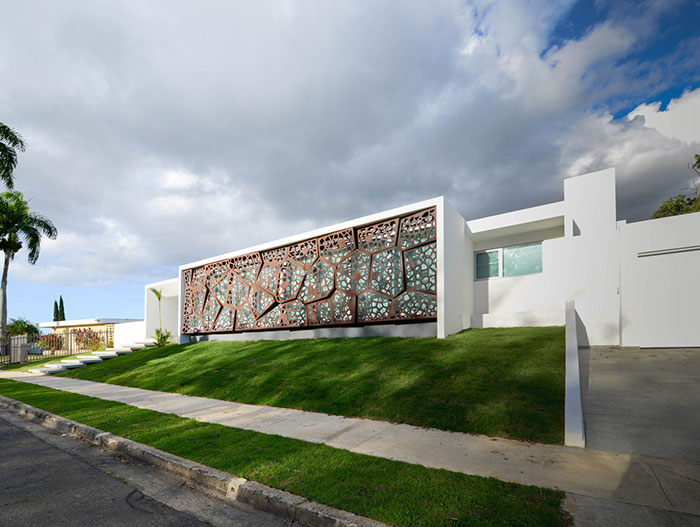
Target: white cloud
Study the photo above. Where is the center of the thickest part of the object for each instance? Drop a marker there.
(164, 132)
(681, 118)
(178, 180)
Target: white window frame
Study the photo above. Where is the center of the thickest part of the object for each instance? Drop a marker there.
(500, 260)
(500, 263)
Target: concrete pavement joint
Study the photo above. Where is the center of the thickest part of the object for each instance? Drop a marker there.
(221, 484)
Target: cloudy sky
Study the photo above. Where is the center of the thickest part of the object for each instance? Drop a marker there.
(163, 132)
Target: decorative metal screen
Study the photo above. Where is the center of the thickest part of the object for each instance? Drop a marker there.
(382, 272)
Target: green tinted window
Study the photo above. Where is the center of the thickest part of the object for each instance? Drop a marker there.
(523, 259)
(487, 264)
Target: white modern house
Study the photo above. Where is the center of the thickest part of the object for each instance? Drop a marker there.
(424, 270)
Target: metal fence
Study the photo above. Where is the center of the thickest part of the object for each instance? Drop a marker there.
(31, 348)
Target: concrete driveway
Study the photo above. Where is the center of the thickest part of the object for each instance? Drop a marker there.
(644, 402)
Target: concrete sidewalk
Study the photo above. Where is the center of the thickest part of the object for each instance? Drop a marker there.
(622, 478)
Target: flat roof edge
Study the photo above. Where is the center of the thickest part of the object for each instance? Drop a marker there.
(433, 202)
(86, 322)
(517, 217)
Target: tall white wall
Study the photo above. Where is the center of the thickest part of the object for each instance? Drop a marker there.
(455, 271)
(592, 256)
(660, 286)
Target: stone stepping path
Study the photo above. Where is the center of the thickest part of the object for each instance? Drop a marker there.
(92, 358)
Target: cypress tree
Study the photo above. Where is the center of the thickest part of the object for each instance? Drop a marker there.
(61, 310)
(55, 311)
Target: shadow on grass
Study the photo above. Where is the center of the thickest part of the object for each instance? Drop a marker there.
(499, 382)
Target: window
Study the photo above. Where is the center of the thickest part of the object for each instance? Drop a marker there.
(523, 259)
(509, 261)
(487, 264)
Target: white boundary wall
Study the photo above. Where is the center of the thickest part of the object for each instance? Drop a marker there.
(574, 432)
(660, 282)
(455, 286)
(128, 333)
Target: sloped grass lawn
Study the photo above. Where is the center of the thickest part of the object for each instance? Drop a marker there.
(499, 382)
(390, 491)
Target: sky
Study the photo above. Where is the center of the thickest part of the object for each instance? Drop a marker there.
(163, 132)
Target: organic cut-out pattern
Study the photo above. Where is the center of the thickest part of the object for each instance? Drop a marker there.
(336, 246)
(387, 272)
(373, 306)
(417, 229)
(382, 272)
(353, 272)
(377, 237)
(318, 282)
(319, 313)
(421, 268)
(415, 305)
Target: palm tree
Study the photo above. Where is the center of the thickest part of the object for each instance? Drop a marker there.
(162, 336)
(159, 295)
(18, 225)
(10, 142)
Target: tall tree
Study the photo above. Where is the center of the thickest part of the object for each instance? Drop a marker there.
(10, 143)
(61, 309)
(56, 312)
(18, 225)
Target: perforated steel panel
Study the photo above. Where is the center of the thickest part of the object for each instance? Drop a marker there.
(382, 272)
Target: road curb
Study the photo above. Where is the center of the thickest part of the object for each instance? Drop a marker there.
(223, 485)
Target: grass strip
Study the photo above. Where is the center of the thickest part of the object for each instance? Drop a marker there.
(390, 491)
(506, 382)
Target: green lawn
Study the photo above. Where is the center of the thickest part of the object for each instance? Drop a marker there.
(499, 382)
(390, 491)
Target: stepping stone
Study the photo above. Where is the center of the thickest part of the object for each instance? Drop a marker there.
(137, 347)
(146, 343)
(119, 351)
(104, 354)
(65, 365)
(45, 371)
(56, 365)
(88, 359)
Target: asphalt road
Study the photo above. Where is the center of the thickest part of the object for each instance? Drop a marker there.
(47, 479)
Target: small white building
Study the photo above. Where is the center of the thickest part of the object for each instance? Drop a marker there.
(424, 270)
(118, 331)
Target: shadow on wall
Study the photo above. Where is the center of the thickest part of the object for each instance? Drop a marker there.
(581, 332)
(610, 334)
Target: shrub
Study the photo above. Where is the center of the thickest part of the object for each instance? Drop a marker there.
(87, 339)
(52, 342)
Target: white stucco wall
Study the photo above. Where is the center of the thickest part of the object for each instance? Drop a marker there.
(660, 282)
(455, 269)
(170, 294)
(128, 333)
(529, 300)
(592, 256)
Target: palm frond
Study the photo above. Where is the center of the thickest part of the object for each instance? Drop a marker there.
(11, 137)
